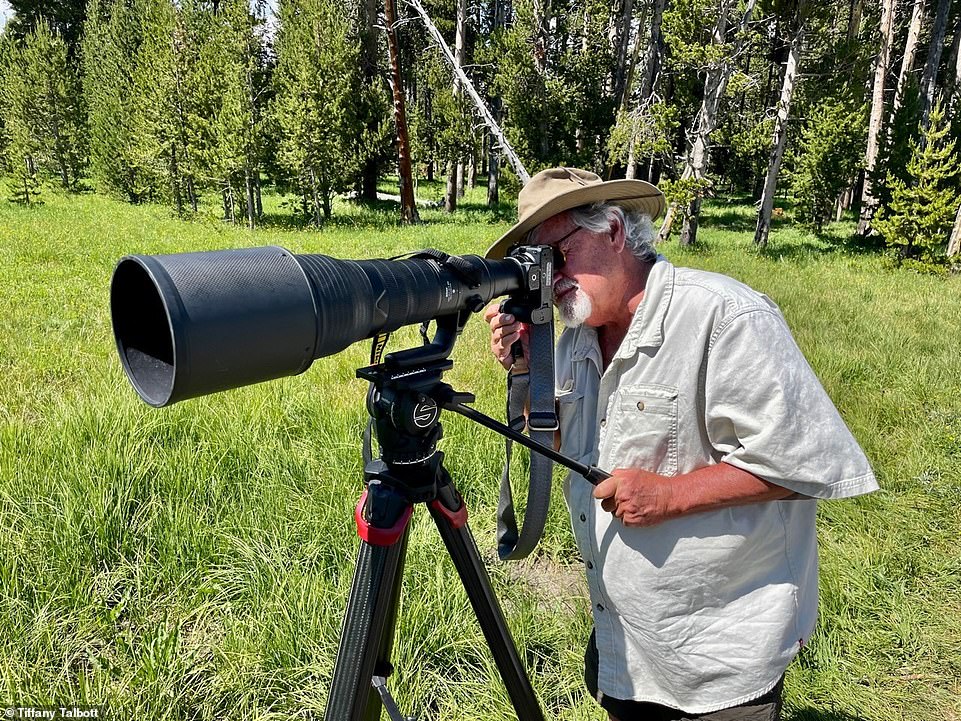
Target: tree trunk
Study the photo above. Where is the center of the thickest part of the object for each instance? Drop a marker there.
(854, 20)
(929, 78)
(251, 208)
(315, 205)
(621, 40)
(868, 202)
(655, 48)
(780, 137)
(257, 188)
(369, 53)
(954, 244)
(450, 193)
(175, 182)
(408, 208)
(459, 34)
(907, 61)
(715, 85)
(954, 63)
(479, 103)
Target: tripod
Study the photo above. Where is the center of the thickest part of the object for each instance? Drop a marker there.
(405, 400)
(410, 471)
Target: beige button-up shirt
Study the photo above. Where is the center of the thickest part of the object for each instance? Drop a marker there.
(704, 611)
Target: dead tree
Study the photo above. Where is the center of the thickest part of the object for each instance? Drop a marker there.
(868, 202)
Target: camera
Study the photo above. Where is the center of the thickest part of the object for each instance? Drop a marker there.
(190, 324)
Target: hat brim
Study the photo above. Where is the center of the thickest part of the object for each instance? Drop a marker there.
(632, 195)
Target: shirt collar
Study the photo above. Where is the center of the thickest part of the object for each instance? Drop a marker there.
(647, 325)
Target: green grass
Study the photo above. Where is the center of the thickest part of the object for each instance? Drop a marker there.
(194, 562)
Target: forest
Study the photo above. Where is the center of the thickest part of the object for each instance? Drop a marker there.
(842, 106)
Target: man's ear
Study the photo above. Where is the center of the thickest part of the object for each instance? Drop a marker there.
(617, 238)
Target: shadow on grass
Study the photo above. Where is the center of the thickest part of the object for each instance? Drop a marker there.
(812, 714)
(385, 214)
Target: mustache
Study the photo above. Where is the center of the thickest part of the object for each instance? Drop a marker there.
(564, 285)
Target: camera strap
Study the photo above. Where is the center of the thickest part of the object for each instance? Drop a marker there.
(533, 389)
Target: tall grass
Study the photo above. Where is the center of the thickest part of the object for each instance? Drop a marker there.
(194, 562)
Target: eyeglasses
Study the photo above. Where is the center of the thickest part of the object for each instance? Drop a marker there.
(560, 257)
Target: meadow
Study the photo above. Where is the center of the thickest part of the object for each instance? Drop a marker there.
(194, 562)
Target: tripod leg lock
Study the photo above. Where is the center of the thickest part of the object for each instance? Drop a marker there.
(456, 519)
(377, 535)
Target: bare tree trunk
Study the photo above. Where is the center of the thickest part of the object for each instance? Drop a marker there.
(954, 244)
(715, 85)
(408, 208)
(648, 80)
(450, 193)
(929, 79)
(315, 205)
(369, 53)
(954, 62)
(868, 202)
(251, 208)
(620, 41)
(780, 137)
(493, 159)
(459, 34)
(907, 61)
(479, 103)
(655, 48)
(854, 19)
(259, 200)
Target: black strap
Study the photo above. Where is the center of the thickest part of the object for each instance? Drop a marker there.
(376, 353)
(537, 384)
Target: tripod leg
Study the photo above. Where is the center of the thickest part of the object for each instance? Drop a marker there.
(463, 550)
(368, 632)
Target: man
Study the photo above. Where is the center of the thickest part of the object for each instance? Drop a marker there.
(700, 550)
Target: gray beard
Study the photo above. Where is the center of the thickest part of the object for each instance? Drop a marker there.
(574, 308)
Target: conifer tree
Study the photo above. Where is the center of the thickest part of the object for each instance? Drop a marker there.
(918, 220)
(39, 100)
(316, 73)
(112, 37)
(830, 153)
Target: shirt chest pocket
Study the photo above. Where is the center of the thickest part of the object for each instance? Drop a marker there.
(642, 429)
(570, 419)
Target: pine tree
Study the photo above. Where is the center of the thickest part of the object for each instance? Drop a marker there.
(112, 37)
(922, 210)
(17, 107)
(830, 153)
(38, 94)
(314, 81)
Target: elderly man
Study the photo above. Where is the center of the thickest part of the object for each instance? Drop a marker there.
(700, 550)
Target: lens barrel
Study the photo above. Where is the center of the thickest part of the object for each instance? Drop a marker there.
(191, 324)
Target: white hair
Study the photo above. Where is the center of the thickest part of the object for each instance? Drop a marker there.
(599, 217)
(638, 229)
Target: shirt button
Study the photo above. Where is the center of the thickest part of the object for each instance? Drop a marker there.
(590, 565)
(600, 607)
(583, 517)
(640, 405)
(603, 422)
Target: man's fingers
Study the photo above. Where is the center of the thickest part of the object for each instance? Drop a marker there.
(606, 488)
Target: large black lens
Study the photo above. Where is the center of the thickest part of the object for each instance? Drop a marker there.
(195, 323)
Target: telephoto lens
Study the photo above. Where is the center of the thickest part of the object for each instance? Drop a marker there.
(191, 324)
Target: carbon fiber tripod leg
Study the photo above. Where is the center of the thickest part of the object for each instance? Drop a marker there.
(368, 633)
(463, 550)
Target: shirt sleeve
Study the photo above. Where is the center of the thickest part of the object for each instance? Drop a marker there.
(767, 413)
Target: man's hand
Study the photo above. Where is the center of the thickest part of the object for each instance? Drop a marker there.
(505, 331)
(642, 498)
(636, 497)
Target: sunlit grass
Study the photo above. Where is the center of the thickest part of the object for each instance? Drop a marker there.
(195, 561)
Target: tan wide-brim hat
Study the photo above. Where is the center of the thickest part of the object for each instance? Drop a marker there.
(555, 190)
